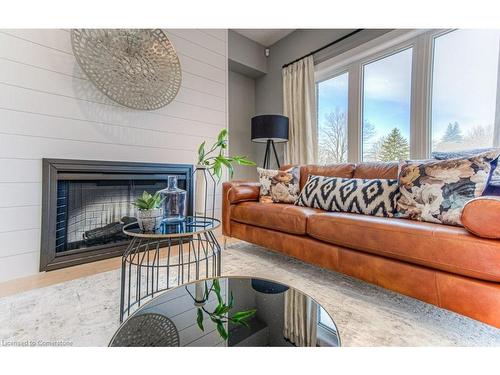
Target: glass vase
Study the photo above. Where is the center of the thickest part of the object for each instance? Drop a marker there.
(174, 204)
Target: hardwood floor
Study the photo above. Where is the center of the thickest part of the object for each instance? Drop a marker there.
(44, 279)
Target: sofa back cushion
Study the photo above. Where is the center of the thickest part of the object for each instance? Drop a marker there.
(366, 170)
(343, 170)
(375, 197)
(369, 170)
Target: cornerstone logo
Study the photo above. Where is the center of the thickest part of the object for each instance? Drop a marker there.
(27, 343)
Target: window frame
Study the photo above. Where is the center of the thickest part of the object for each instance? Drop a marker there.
(422, 42)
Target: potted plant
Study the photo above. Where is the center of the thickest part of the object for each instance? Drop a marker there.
(149, 211)
(213, 161)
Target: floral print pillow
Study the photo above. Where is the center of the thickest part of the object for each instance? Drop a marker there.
(436, 191)
(279, 186)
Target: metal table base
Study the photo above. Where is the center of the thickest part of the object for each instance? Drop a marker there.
(155, 262)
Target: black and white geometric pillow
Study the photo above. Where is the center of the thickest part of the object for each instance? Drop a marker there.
(375, 197)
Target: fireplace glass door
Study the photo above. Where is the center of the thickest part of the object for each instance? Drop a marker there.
(92, 213)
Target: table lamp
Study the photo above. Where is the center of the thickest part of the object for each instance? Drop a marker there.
(270, 129)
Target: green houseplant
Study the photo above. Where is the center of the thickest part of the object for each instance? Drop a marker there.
(214, 160)
(149, 211)
(222, 313)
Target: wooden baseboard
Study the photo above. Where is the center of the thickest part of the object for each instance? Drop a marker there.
(44, 279)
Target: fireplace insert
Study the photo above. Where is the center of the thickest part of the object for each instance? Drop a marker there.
(86, 203)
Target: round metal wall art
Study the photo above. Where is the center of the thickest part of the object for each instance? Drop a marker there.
(137, 68)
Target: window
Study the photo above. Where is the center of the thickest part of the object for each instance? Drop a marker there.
(409, 93)
(386, 108)
(464, 89)
(325, 320)
(326, 330)
(332, 119)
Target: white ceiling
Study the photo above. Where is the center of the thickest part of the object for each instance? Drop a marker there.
(266, 37)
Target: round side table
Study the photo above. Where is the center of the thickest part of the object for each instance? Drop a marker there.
(170, 256)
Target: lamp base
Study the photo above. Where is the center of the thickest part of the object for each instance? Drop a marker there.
(267, 156)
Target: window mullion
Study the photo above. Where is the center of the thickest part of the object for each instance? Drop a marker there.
(420, 103)
(496, 128)
(354, 114)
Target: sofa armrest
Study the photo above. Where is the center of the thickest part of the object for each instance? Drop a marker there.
(481, 216)
(243, 193)
(234, 192)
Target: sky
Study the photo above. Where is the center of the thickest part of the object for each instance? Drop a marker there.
(464, 85)
(465, 78)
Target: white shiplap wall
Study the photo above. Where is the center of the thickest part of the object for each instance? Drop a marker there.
(49, 109)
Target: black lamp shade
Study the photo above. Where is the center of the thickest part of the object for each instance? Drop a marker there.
(270, 127)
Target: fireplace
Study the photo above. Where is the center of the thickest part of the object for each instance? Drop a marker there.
(86, 203)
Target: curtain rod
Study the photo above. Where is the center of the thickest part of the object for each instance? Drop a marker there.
(322, 48)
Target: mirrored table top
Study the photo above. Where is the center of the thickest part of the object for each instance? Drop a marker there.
(189, 226)
(229, 311)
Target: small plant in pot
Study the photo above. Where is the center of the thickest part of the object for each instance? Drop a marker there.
(149, 211)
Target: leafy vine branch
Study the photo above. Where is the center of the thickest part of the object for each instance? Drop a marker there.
(220, 315)
(215, 158)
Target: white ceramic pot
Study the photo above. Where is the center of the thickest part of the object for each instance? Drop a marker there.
(150, 220)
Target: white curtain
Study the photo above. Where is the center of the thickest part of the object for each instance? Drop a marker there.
(301, 319)
(299, 105)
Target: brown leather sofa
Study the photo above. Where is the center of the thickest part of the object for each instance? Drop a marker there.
(443, 265)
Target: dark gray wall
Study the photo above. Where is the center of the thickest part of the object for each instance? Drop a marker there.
(246, 56)
(269, 96)
(241, 108)
(247, 61)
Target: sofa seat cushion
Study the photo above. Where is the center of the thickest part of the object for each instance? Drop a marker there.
(438, 246)
(282, 217)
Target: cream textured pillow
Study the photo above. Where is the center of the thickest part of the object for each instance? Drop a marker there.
(436, 191)
(279, 186)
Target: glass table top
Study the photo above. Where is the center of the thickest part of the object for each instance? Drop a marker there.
(191, 225)
(229, 311)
